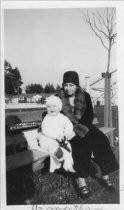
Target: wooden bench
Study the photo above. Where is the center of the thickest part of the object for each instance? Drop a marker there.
(18, 153)
(108, 131)
(32, 156)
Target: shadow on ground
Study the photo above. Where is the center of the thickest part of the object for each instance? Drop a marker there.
(56, 188)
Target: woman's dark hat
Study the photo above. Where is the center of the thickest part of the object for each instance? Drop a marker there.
(71, 77)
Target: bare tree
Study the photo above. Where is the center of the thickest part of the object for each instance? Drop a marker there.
(103, 25)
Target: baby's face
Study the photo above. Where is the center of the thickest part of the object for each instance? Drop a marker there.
(52, 109)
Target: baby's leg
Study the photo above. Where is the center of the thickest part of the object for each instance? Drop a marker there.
(68, 160)
(55, 156)
(32, 139)
(42, 142)
(54, 151)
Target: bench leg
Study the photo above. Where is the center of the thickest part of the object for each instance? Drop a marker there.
(20, 186)
(38, 165)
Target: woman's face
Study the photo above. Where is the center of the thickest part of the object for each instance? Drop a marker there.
(70, 89)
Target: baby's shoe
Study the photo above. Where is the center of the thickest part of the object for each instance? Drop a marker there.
(71, 169)
(59, 153)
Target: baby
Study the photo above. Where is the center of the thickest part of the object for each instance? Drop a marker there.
(56, 131)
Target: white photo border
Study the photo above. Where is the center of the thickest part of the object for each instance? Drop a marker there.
(120, 63)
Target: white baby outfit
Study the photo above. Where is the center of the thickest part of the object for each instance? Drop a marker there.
(55, 127)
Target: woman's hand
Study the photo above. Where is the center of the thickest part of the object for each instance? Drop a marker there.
(38, 136)
(60, 137)
(81, 130)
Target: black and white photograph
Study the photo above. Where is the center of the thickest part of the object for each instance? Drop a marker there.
(60, 117)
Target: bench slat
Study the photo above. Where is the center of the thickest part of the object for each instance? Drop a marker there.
(106, 130)
(28, 136)
(15, 139)
(24, 158)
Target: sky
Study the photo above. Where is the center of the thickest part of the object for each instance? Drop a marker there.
(44, 43)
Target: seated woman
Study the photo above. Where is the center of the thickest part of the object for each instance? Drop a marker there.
(78, 108)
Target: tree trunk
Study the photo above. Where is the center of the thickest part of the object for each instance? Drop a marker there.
(109, 56)
(107, 96)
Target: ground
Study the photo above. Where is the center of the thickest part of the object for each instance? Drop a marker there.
(55, 188)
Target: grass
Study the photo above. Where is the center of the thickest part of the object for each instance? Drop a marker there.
(43, 187)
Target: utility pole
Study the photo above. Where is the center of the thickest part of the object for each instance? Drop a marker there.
(87, 87)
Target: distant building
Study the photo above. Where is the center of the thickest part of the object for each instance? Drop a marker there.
(14, 100)
(23, 89)
(29, 99)
(36, 98)
(22, 99)
(98, 103)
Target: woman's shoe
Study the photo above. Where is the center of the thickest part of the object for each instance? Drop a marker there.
(107, 184)
(84, 192)
(81, 187)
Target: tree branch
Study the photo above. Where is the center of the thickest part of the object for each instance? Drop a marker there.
(101, 31)
(107, 18)
(101, 27)
(113, 39)
(102, 20)
(99, 21)
(112, 17)
(88, 20)
(112, 20)
(97, 35)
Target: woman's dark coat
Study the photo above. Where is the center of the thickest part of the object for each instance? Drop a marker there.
(95, 141)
